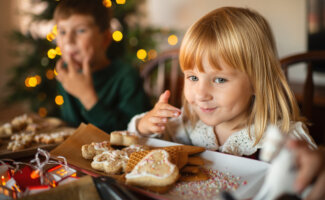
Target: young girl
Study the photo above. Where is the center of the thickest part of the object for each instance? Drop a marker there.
(233, 88)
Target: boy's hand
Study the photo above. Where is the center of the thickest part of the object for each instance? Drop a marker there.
(78, 83)
(311, 167)
(155, 120)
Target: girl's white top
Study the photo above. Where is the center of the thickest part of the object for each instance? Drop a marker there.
(239, 143)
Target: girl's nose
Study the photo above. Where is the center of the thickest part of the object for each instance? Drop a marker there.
(69, 38)
(203, 92)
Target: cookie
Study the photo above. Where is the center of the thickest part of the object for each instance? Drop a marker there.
(190, 170)
(154, 170)
(195, 160)
(190, 150)
(135, 148)
(88, 151)
(177, 157)
(123, 138)
(200, 176)
(111, 162)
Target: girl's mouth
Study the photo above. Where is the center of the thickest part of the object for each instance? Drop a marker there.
(208, 110)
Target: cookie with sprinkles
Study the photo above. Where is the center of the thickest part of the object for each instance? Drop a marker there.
(154, 170)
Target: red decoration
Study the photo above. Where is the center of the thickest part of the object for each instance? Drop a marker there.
(23, 178)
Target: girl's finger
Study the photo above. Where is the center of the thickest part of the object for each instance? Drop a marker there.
(72, 66)
(157, 129)
(164, 97)
(169, 107)
(167, 113)
(158, 120)
(86, 62)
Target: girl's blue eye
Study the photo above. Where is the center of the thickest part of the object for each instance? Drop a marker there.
(220, 80)
(81, 30)
(193, 78)
(61, 32)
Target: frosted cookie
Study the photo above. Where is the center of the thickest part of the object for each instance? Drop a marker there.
(20, 122)
(6, 129)
(16, 145)
(50, 138)
(135, 148)
(123, 138)
(90, 150)
(155, 169)
(111, 162)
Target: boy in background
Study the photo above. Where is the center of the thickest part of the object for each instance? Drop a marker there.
(106, 93)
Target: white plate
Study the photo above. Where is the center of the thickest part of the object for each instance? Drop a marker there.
(249, 170)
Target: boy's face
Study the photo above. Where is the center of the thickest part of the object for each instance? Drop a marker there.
(77, 35)
(218, 96)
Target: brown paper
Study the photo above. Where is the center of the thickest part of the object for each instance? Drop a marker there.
(71, 147)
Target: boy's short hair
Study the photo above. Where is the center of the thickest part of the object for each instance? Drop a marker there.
(94, 8)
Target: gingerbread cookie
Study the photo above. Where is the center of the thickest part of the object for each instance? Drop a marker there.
(135, 148)
(155, 169)
(123, 138)
(111, 162)
(90, 150)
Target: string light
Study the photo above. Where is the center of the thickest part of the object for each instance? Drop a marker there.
(49, 74)
(27, 82)
(38, 79)
(141, 54)
(55, 72)
(59, 100)
(42, 112)
(120, 1)
(50, 37)
(107, 3)
(32, 82)
(117, 36)
(152, 54)
(51, 53)
(58, 51)
(172, 40)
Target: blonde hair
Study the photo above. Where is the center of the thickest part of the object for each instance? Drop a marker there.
(243, 39)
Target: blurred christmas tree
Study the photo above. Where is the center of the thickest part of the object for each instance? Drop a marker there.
(33, 79)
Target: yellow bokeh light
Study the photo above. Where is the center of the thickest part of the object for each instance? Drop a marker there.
(117, 36)
(42, 112)
(49, 74)
(141, 54)
(107, 3)
(55, 30)
(51, 53)
(58, 51)
(38, 79)
(152, 54)
(32, 82)
(50, 37)
(120, 1)
(27, 82)
(55, 72)
(172, 40)
(59, 100)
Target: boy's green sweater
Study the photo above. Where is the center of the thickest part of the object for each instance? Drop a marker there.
(121, 96)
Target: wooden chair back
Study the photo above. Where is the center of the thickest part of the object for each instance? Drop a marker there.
(164, 73)
(308, 91)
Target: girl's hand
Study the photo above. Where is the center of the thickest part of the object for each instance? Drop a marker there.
(311, 165)
(155, 120)
(78, 83)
